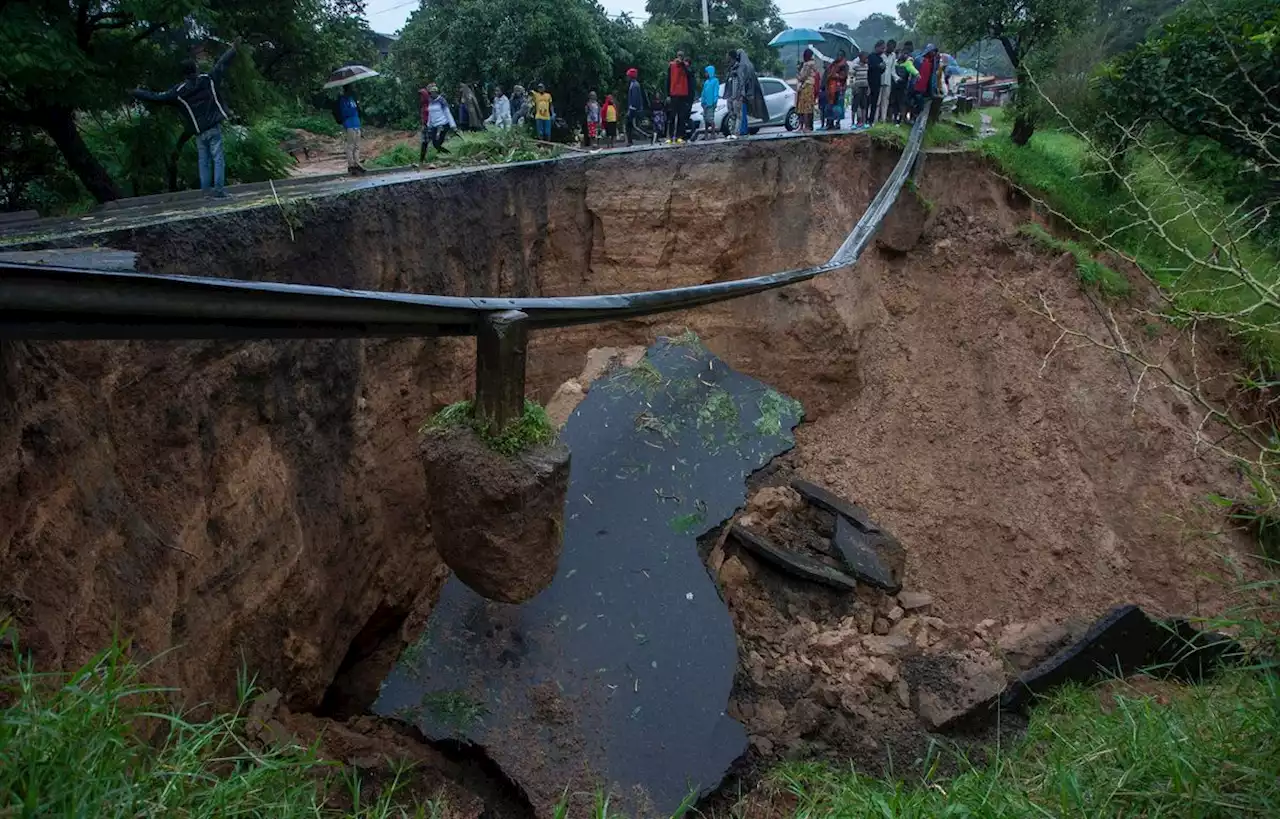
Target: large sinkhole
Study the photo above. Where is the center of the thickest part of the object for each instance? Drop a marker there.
(259, 505)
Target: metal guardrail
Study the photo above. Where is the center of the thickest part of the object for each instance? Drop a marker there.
(61, 303)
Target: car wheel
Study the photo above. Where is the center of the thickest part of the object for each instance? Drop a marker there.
(792, 122)
(724, 126)
(753, 131)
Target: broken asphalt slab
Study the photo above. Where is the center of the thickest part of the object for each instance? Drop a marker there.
(793, 563)
(617, 676)
(870, 557)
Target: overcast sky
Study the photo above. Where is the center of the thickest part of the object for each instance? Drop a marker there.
(389, 15)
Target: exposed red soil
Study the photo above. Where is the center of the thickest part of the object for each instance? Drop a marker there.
(264, 502)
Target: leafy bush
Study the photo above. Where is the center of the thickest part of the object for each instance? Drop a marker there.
(317, 122)
(394, 157)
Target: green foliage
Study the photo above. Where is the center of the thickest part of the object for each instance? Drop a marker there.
(67, 68)
(396, 156)
(1092, 272)
(774, 408)
(314, 122)
(533, 428)
(1059, 168)
(1216, 46)
(99, 742)
(1211, 750)
(1026, 29)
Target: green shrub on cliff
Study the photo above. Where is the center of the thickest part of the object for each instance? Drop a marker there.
(532, 428)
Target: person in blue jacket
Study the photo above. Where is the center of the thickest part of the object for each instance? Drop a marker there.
(349, 110)
(710, 98)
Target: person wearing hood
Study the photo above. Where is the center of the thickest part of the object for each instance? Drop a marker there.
(635, 102)
(470, 114)
(710, 99)
(609, 115)
(807, 82)
(747, 97)
(437, 120)
(501, 116)
(926, 85)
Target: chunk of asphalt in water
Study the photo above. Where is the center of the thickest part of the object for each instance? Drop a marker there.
(794, 563)
(859, 553)
(616, 676)
(835, 504)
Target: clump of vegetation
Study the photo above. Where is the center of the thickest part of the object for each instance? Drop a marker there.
(774, 407)
(455, 710)
(396, 156)
(643, 377)
(1209, 750)
(533, 428)
(1092, 272)
(99, 742)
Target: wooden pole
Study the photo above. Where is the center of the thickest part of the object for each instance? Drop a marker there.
(501, 340)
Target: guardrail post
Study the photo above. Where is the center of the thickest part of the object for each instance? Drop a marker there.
(501, 340)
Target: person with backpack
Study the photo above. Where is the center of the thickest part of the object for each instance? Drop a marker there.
(349, 111)
(906, 73)
(203, 112)
(926, 83)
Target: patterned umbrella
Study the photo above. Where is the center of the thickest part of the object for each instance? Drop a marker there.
(349, 74)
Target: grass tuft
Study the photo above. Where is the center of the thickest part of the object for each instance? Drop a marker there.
(99, 742)
(533, 428)
(1092, 272)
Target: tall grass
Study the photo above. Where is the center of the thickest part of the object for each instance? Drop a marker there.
(491, 146)
(1122, 749)
(97, 742)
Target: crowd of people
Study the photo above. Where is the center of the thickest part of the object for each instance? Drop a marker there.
(888, 84)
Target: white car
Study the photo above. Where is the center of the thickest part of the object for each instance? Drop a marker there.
(779, 98)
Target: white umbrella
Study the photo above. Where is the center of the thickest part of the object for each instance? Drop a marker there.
(349, 74)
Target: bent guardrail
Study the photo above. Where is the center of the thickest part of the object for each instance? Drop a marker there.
(59, 303)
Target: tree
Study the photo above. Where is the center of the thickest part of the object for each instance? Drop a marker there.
(62, 61)
(909, 13)
(746, 24)
(1025, 28)
(875, 27)
(556, 42)
(1232, 99)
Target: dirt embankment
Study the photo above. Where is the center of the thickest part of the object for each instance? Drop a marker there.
(262, 503)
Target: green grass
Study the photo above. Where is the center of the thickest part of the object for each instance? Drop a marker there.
(396, 156)
(533, 428)
(1213, 750)
(941, 135)
(487, 147)
(98, 742)
(1057, 167)
(317, 122)
(1092, 272)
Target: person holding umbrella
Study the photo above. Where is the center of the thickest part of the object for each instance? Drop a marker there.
(203, 112)
(347, 111)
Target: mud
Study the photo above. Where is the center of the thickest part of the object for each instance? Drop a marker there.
(264, 503)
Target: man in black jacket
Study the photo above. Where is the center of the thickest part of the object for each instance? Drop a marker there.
(202, 111)
(875, 71)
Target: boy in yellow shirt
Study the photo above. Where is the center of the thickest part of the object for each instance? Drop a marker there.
(543, 111)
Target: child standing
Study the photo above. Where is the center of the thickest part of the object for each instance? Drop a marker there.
(543, 112)
(659, 117)
(710, 99)
(610, 116)
(593, 118)
(861, 90)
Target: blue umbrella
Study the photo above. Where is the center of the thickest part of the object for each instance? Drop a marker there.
(798, 36)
